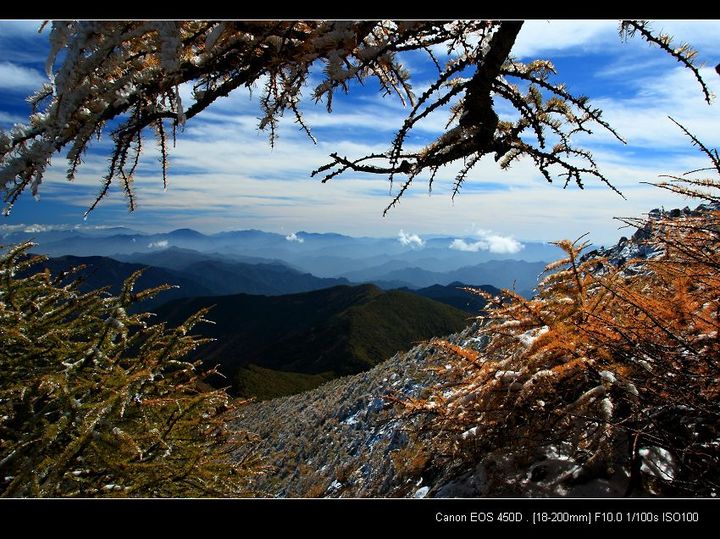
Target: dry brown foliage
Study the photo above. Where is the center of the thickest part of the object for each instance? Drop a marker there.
(609, 361)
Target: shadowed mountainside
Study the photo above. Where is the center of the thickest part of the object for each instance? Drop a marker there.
(454, 295)
(100, 272)
(327, 333)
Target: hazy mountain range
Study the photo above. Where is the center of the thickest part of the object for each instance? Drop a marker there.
(263, 258)
(193, 273)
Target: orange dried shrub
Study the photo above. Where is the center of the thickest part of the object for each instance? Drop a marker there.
(615, 359)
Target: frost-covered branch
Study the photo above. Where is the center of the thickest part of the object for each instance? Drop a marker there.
(684, 54)
(121, 78)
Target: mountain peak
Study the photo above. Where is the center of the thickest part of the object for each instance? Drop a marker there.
(186, 232)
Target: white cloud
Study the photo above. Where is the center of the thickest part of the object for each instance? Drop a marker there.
(34, 229)
(643, 118)
(39, 228)
(488, 242)
(162, 244)
(294, 237)
(462, 245)
(413, 240)
(539, 37)
(15, 77)
(273, 191)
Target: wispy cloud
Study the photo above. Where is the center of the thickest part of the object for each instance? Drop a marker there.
(39, 228)
(642, 117)
(19, 78)
(160, 244)
(7, 118)
(488, 241)
(412, 240)
(540, 37)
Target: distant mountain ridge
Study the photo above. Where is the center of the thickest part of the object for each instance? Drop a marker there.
(454, 295)
(385, 260)
(193, 273)
(100, 272)
(226, 275)
(518, 274)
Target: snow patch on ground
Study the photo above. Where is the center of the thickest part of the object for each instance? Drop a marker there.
(530, 336)
(351, 420)
(334, 486)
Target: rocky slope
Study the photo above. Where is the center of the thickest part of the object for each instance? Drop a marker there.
(348, 439)
(339, 440)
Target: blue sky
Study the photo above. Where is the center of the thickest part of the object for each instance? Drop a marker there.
(224, 175)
